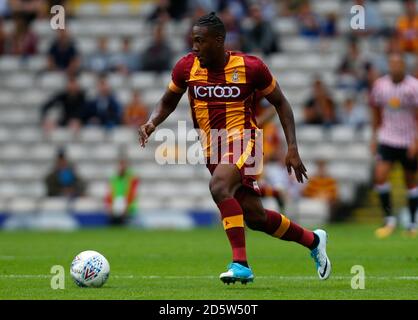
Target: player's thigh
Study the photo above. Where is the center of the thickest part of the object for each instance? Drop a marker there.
(225, 177)
(410, 166)
(410, 178)
(250, 203)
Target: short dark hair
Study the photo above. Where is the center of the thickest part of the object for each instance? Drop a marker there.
(213, 23)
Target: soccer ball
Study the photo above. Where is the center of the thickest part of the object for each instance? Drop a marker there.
(90, 269)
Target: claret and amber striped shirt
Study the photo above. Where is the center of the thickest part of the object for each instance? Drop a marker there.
(223, 98)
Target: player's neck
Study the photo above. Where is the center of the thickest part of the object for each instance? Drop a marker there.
(398, 78)
(221, 62)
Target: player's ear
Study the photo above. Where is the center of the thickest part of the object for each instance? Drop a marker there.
(219, 41)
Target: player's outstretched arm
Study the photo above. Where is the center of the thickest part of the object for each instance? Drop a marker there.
(164, 108)
(293, 160)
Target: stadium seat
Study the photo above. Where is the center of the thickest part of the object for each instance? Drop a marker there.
(91, 135)
(104, 152)
(42, 152)
(180, 203)
(285, 26)
(123, 135)
(53, 204)
(18, 81)
(142, 80)
(6, 98)
(312, 212)
(357, 152)
(310, 133)
(13, 152)
(27, 171)
(346, 192)
(9, 64)
(89, 9)
(8, 188)
(51, 80)
(35, 189)
(87, 204)
(97, 189)
(23, 205)
(116, 81)
(61, 136)
(120, 9)
(33, 98)
(326, 7)
(28, 135)
(5, 135)
(342, 134)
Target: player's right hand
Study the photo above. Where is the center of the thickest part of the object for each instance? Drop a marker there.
(144, 132)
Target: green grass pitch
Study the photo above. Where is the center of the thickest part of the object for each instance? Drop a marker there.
(186, 265)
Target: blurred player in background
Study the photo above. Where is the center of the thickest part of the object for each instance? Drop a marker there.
(394, 101)
(121, 199)
(213, 75)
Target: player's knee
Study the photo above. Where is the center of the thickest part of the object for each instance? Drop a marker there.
(219, 189)
(255, 221)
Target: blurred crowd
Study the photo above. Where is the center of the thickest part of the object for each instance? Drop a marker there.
(250, 28)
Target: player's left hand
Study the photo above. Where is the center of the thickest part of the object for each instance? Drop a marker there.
(293, 161)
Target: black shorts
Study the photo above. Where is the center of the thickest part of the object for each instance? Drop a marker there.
(391, 154)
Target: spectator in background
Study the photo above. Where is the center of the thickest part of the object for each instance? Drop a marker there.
(104, 109)
(157, 57)
(322, 186)
(353, 114)
(308, 20)
(125, 61)
(3, 38)
(4, 9)
(121, 199)
(63, 54)
(27, 10)
(234, 34)
(329, 25)
(320, 107)
(63, 180)
(71, 101)
(407, 28)
(100, 60)
(168, 9)
(23, 41)
(238, 9)
(259, 35)
(135, 112)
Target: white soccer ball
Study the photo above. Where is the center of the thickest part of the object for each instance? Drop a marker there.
(90, 269)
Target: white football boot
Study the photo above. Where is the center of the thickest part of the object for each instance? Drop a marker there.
(319, 254)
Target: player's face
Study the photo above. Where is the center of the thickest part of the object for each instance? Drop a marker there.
(396, 66)
(205, 45)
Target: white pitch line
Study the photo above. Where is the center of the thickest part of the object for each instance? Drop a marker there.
(301, 278)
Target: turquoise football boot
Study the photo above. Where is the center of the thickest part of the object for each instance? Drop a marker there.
(237, 272)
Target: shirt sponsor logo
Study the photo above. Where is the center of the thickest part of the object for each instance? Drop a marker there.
(216, 91)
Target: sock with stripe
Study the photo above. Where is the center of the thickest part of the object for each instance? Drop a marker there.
(279, 226)
(383, 191)
(233, 223)
(413, 203)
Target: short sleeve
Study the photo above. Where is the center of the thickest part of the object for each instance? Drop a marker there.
(178, 81)
(264, 80)
(415, 93)
(374, 97)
